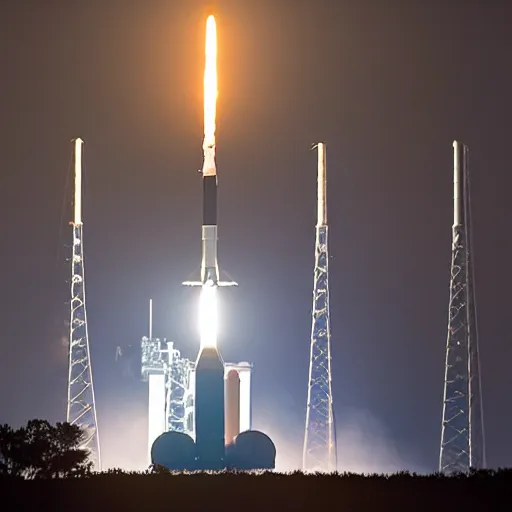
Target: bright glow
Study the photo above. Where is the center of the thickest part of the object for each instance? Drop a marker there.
(78, 181)
(210, 82)
(208, 316)
(208, 298)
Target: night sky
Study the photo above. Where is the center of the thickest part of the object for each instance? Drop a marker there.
(388, 85)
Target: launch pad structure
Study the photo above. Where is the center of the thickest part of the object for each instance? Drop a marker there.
(462, 429)
(81, 404)
(319, 452)
(171, 390)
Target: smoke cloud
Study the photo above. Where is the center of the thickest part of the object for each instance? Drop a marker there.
(363, 444)
(365, 447)
(123, 436)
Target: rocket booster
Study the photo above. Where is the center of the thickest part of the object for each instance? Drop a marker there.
(209, 261)
(209, 265)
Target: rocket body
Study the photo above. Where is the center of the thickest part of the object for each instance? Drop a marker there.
(209, 410)
(209, 261)
(209, 265)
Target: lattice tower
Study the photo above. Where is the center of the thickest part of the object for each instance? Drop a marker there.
(319, 452)
(81, 408)
(462, 430)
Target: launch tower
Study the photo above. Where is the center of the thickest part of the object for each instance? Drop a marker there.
(171, 380)
(462, 431)
(320, 439)
(81, 407)
(168, 375)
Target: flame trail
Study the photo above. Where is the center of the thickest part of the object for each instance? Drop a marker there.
(208, 300)
(210, 83)
(208, 317)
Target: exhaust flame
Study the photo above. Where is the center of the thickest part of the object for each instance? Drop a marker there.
(208, 316)
(208, 299)
(210, 82)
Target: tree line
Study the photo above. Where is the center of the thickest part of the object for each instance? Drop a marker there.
(41, 450)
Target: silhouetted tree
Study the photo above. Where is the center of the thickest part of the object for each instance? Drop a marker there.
(12, 451)
(41, 450)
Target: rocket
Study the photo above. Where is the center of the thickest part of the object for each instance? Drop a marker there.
(209, 262)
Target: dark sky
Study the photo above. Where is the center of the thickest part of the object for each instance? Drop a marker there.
(386, 84)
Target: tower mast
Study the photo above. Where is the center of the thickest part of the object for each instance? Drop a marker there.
(319, 452)
(462, 429)
(81, 407)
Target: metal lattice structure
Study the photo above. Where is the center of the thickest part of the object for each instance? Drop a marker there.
(81, 408)
(161, 358)
(319, 452)
(462, 434)
(168, 375)
(151, 357)
(171, 384)
(153, 372)
(179, 392)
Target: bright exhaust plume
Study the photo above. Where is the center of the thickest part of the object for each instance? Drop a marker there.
(208, 298)
(210, 82)
(208, 316)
